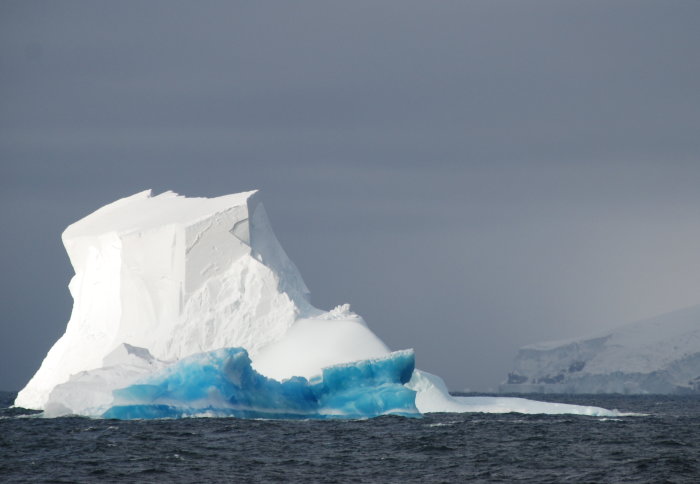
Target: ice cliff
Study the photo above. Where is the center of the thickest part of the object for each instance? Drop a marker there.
(657, 355)
(190, 306)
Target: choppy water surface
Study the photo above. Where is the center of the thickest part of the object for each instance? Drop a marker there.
(661, 446)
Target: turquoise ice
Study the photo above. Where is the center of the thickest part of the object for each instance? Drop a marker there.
(223, 383)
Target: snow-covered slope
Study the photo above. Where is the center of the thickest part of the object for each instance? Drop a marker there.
(657, 355)
(188, 306)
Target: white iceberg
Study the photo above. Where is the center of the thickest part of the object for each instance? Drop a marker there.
(660, 355)
(190, 306)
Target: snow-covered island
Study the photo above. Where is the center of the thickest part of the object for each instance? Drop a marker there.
(190, 307)
(658, 355)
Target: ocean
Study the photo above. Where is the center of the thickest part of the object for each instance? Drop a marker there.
(661, 444)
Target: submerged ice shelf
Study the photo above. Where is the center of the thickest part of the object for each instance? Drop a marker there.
(190, 306)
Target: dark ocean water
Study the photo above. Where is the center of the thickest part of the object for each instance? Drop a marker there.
(662, 446)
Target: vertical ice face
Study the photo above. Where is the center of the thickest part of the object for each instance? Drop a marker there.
(174, 275)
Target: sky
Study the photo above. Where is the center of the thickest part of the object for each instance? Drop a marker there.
(471, 176)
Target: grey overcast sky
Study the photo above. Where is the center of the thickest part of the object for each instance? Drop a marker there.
(471, 176)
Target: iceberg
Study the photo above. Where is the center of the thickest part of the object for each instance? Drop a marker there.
(660, 355)
(190, 306)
